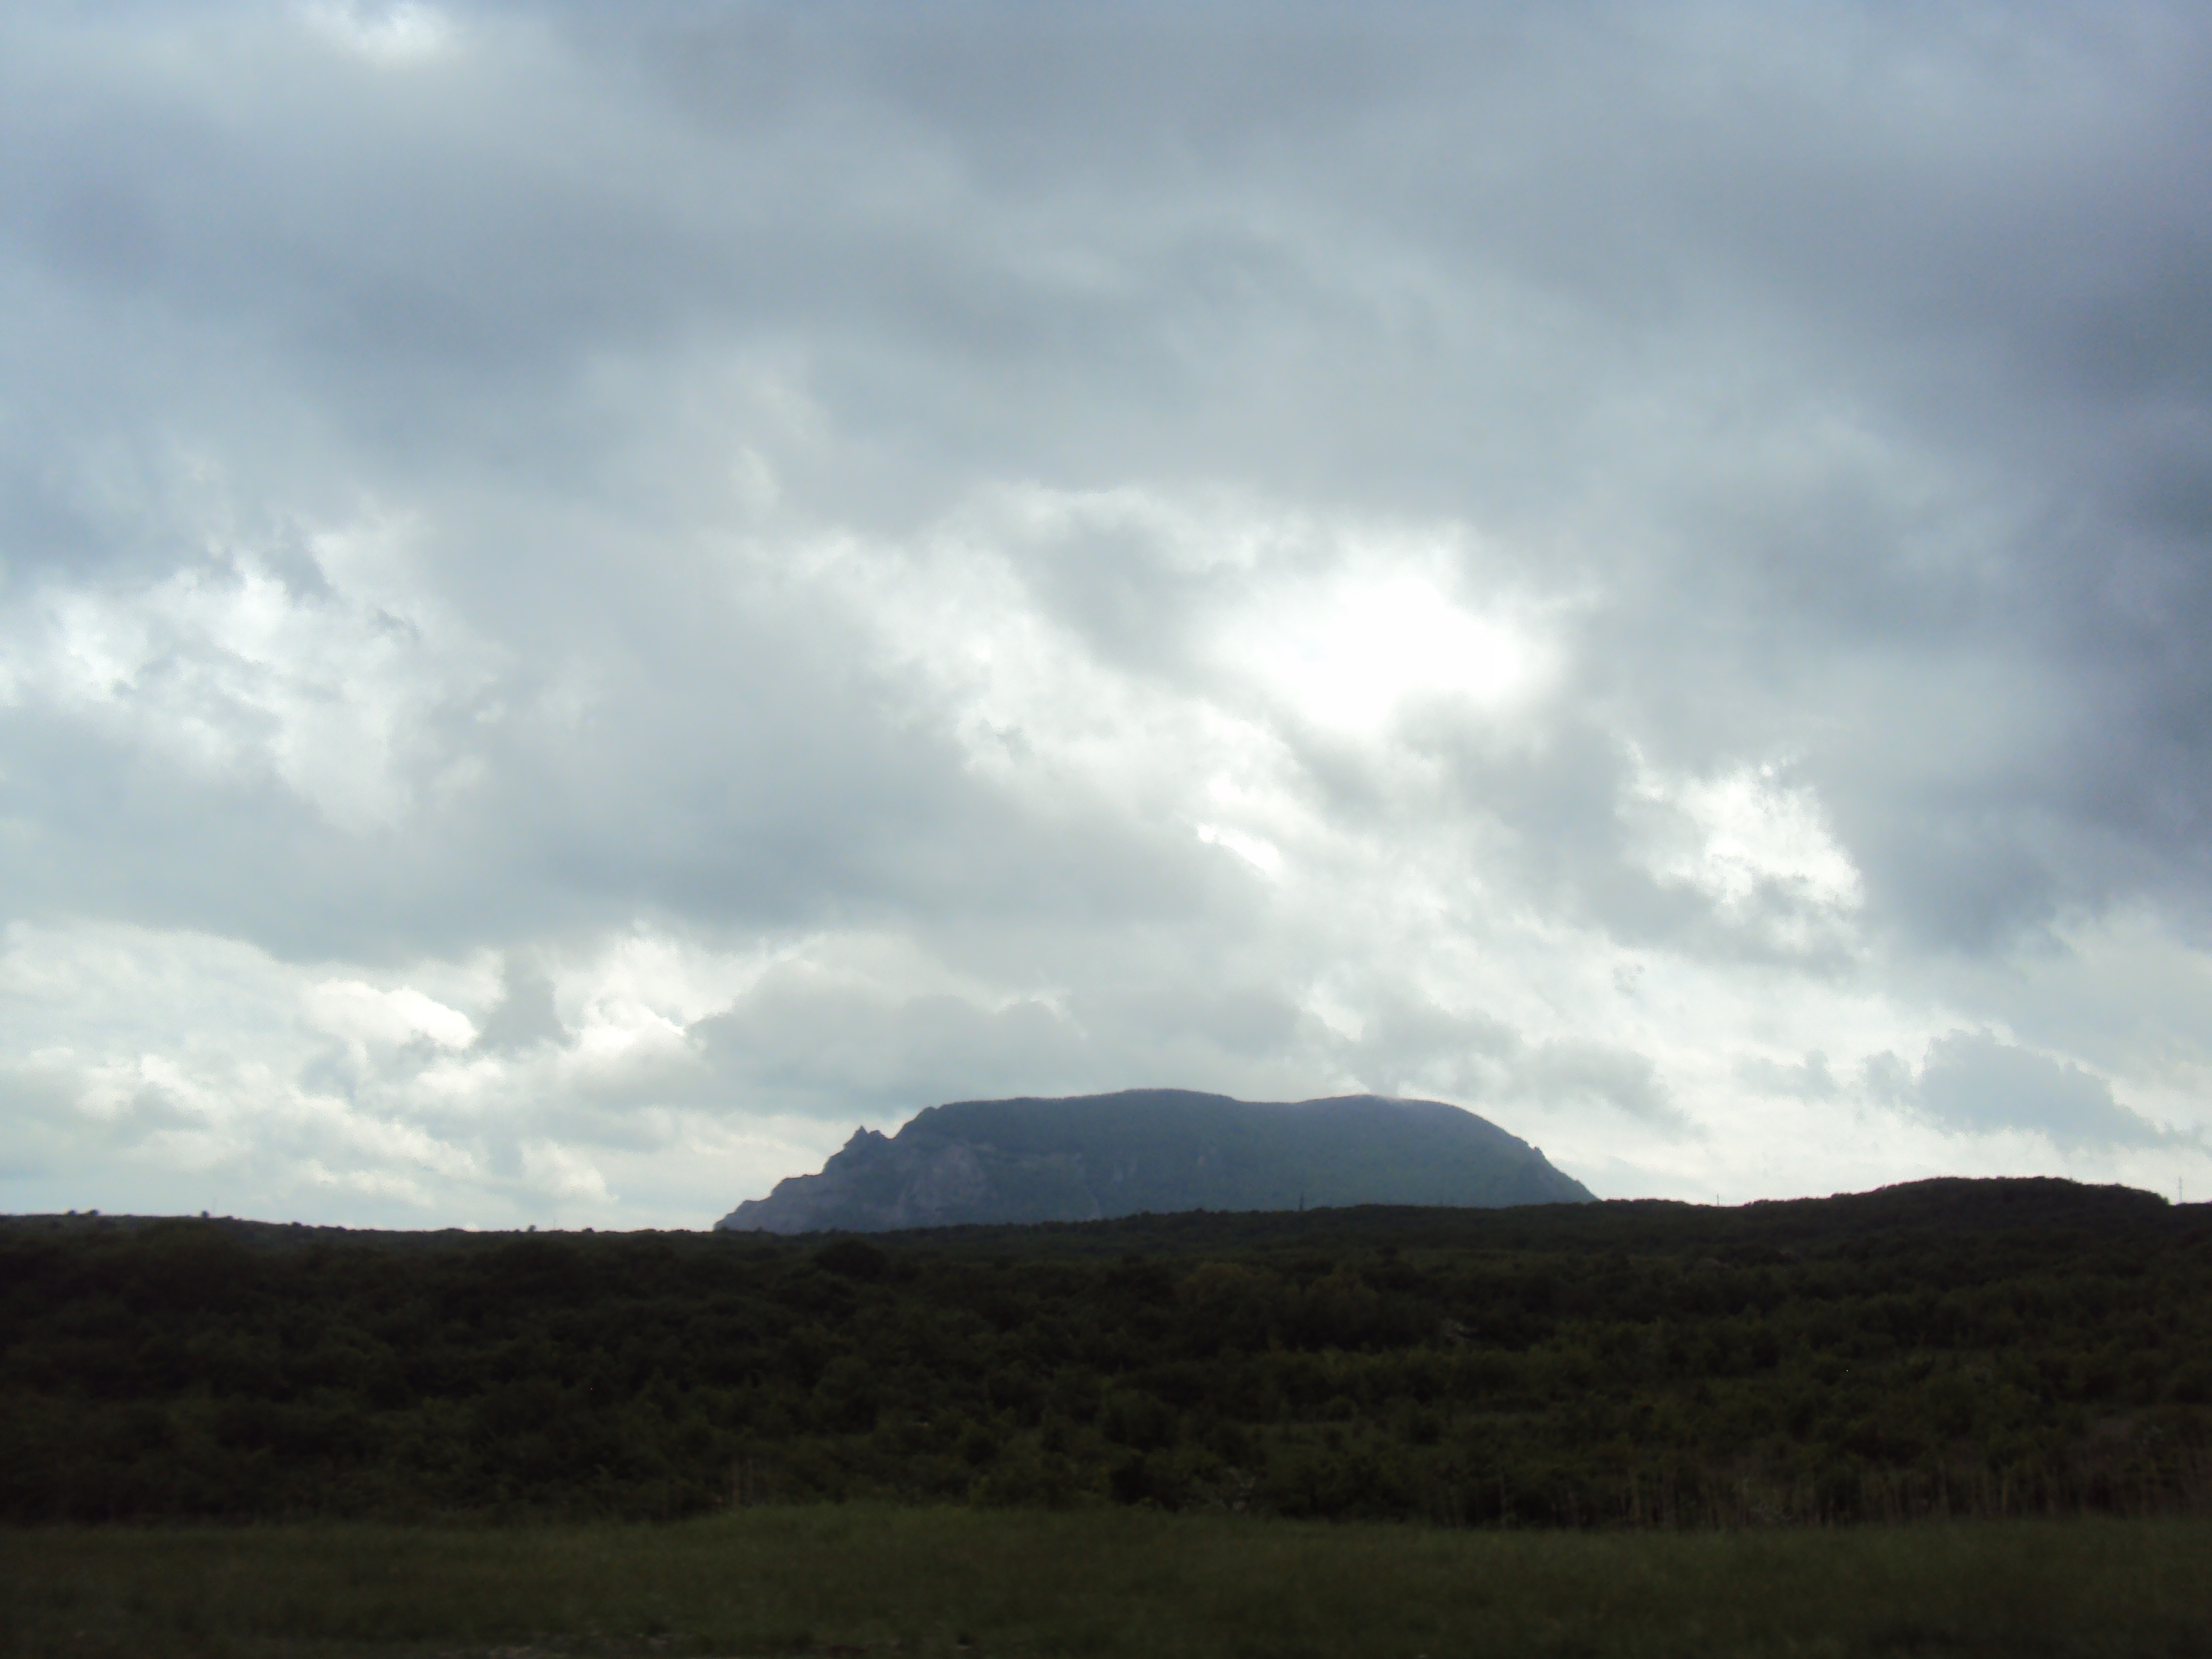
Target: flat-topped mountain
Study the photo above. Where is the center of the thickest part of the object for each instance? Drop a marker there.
(1090, 1157)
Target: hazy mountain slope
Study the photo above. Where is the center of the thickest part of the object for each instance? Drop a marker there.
(1162, 1150)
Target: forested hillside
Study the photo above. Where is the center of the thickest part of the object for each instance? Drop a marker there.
(1983, 1348)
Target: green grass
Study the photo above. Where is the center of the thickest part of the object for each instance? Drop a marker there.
(1103, 1584)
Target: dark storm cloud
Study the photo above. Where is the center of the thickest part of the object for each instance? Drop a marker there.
(525, 1014)
(1972, 1082)
(1574, 1071)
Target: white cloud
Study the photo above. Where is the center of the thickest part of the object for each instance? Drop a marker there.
(334, 682)
(1751, 830)
(361, 1014)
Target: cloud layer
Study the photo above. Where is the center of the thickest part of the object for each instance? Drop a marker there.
(586, 601)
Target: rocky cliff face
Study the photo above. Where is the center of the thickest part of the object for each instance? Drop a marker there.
(1161, 1149)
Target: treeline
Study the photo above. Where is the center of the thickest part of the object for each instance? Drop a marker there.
(1948, 1348)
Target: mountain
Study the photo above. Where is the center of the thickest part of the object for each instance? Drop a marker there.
(1094, 1156)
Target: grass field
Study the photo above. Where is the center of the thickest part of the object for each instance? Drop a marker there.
(1106, 1583)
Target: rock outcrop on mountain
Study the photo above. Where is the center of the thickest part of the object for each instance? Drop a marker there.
(1094, 1156)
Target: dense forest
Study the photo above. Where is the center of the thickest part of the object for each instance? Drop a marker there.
(1960, 1347)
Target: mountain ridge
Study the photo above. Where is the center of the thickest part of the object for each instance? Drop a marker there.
(1087, 1158)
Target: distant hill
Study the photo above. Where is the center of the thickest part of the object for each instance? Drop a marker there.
(1092, 1157)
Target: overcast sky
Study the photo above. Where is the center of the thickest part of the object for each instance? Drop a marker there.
(590, 597)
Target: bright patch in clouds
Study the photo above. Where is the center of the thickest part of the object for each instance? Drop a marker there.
(1349, 653)
(1261, 854)
(1749, 829)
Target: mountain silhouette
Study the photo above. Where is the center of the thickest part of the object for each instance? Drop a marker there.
(1089, 1157)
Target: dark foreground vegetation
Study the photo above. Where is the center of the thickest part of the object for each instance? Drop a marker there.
(1953, 1348)
(913, 1583)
